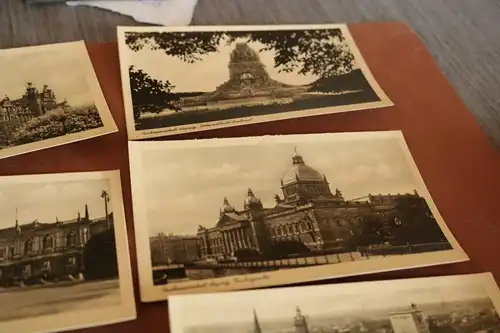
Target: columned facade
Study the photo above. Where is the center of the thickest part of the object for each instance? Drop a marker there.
(307, 212)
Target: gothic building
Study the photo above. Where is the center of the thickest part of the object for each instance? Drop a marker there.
(33, 103)
(37, 251)
(300, 322)
(307, 211)
(256, 324)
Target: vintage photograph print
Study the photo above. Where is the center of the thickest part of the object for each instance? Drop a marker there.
(178, 80)
(64, 259)
(49, 96)
(448, 304)
(227, 214)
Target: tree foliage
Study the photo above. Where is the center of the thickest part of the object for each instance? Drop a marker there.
(321, 52)
(149, 94)
(418, 225)
(246, 254)
(56, 123)
(411, 222)
(99, 256)
(282, 249)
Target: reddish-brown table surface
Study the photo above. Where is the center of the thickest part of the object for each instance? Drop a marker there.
(459, 164)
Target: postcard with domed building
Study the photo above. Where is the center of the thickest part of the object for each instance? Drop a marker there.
(238, 213)
(64, 258)
(189, 79)
(49, 96)
(445, 304)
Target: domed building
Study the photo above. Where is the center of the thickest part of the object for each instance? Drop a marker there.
(307, 211)
(301, 183)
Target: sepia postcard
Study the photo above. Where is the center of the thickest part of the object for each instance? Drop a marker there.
(227, 214)
(446, 304)
(64, 258)
(49, 96)
(189, 79)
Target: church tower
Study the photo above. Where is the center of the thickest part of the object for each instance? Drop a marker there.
(255, 213)
(256, 324)
(300, 322)
(33, 101)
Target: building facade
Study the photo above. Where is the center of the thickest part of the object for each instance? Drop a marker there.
(307, 211)
(33, 103)
(36, 252)
(168, 249)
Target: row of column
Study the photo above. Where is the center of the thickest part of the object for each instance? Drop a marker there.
(235, 239)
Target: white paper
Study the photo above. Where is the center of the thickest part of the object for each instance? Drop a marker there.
(161, 12)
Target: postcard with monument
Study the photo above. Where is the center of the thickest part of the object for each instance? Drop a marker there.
(447, 304)
(64, 259)
(189, 79)
(240, 213)
(49, 96)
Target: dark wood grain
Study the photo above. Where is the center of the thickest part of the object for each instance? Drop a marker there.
(462, 35)
(455, 157)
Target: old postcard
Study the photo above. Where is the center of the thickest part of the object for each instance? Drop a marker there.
(64, 259)
(178, 80)
(448, 304)
(49, 96)
(228, 214)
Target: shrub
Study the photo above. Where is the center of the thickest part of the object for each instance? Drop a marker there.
(56, 123)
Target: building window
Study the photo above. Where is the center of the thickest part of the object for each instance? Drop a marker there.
(46, 265)
(3, 253)
(71, 261)
(28, 246)
(48, 243)
(71, 240)
(27, 270)
(85, 235)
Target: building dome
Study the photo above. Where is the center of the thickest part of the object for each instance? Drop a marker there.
(301, 171)
(226, 207)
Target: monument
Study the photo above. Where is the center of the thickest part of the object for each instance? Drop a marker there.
(249, 83)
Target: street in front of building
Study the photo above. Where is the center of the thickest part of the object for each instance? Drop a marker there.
(39, 301)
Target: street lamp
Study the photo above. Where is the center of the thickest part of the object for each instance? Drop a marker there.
(105, 196)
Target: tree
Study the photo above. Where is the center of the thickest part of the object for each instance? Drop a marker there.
(417, 224)
(370, 232)
(246, 254)
(99, 256)
(285, 248)
(56, 123)
(150, 94)
(321, 52)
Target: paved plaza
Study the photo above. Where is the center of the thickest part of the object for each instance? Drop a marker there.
(47, 300)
